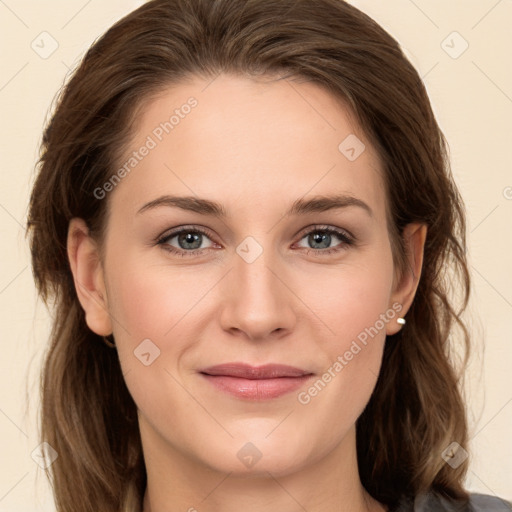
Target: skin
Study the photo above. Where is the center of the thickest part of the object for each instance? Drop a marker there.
(255, 147)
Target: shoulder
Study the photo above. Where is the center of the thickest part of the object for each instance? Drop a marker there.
(433, 502)
(481, 502)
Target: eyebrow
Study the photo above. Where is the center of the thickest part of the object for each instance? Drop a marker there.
(301, 206)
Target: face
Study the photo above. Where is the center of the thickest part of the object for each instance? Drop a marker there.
(281, 277)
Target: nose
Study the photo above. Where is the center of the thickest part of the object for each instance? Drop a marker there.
(257, 297)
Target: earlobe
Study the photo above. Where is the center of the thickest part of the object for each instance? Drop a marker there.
(87, 270)
(414, 236)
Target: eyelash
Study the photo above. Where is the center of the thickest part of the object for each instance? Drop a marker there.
(346, 238)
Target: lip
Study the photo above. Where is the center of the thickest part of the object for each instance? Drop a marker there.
(246, 371)
(255, 382)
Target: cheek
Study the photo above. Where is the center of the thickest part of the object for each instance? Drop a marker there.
(152, 301)
(354, 298)
(159, 316)
(153, 308)
(356, 309)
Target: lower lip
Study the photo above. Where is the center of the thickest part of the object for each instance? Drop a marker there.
(256, 389)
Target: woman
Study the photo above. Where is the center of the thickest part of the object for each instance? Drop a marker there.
(252, 368)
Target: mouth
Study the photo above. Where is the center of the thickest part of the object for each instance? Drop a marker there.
(255, 382)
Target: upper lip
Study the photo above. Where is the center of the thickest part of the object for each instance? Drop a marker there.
(246, 371)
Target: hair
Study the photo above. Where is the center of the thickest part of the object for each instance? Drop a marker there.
(416, 409)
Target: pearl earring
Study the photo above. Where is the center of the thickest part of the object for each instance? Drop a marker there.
(400, 320)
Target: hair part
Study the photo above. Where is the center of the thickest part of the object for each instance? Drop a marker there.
(416, 409)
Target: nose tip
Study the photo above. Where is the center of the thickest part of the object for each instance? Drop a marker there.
(257, 303)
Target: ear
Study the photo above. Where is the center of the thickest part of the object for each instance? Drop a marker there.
(404, 290)
(87, 272)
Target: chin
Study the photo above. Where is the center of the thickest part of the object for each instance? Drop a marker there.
(258, 457)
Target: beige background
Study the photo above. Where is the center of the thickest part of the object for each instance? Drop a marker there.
(472, 98)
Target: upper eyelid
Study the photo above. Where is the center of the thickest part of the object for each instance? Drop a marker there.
(325, 227)
(171, 233)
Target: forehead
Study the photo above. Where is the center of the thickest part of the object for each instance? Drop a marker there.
(249, 143)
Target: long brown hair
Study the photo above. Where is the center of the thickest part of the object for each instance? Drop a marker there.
(416, 409)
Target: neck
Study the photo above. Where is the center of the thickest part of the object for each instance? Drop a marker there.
(177, 482)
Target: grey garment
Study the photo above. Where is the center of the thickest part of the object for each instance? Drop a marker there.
(432, 502)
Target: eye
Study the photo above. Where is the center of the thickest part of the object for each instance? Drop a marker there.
(189, 240)
(323, 236)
